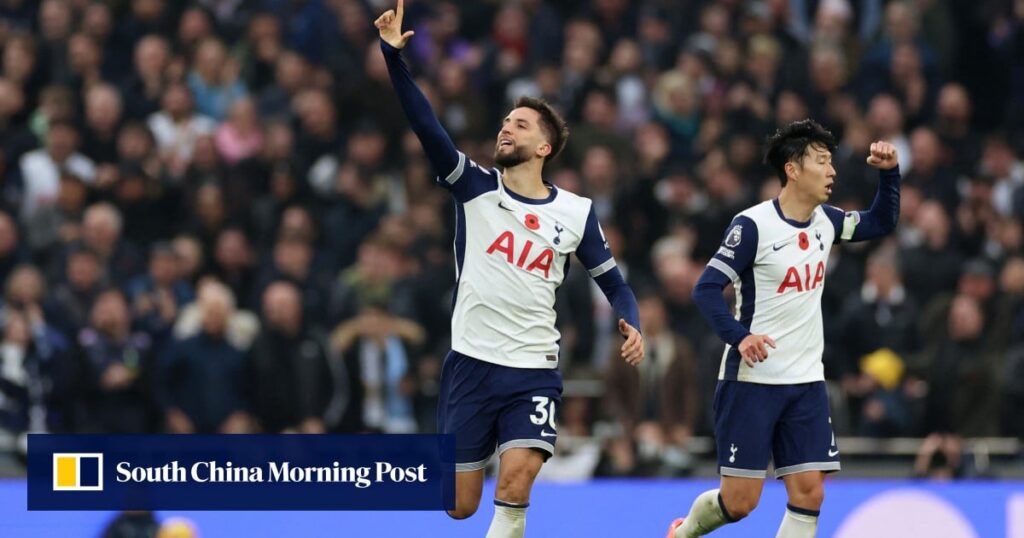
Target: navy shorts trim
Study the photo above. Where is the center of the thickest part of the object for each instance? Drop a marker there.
(826, 466)
(493, 407)
(527, 443)
(742, 473)
(788, 425)
(471, 466)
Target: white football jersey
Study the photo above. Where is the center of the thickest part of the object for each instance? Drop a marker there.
(511, 255)
(778, 269)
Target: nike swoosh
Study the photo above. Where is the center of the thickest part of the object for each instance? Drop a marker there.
(502, 205)
(777, 247)
(832, 454)
(545, 433)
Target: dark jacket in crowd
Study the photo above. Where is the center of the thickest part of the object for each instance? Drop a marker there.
(204, 377)
(289, 379)
(130, 409)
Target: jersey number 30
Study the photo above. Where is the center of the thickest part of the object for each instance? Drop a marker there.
(544, 412)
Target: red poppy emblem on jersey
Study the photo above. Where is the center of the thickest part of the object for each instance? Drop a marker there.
(532, 221)
(804, 243)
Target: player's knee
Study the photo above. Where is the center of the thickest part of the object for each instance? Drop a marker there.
(514, 485)
(741, 505)
(463, 510)
(809, 497)
(465, 505)
(741, 509)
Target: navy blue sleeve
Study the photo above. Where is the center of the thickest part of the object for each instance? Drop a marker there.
(879, 220)
(596, 257)
(733, 258)
(448, 162)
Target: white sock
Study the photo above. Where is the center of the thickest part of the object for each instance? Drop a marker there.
(509, 520)
(706, 515)
(798, 523)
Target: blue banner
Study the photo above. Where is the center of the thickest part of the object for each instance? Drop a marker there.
(241, 472)
(853, 509)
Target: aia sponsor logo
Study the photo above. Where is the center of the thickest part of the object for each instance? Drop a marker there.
(803, 278)
(523, 255)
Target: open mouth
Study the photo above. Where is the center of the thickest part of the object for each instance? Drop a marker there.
(828, 189)
(503, 143)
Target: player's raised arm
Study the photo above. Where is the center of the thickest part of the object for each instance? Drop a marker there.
(594, 254)
(437, 145)
(881, 218)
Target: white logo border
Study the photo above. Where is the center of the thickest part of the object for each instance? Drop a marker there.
(78, 471)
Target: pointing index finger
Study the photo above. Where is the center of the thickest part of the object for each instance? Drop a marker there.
(401, 7)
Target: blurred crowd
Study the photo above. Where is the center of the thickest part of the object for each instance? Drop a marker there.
(214, 218)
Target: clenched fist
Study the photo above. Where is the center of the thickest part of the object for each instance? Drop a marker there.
(883, 156)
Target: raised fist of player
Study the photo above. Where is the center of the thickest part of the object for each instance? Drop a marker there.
(883, 156)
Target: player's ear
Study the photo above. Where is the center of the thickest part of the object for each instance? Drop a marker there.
(791, 168)
(544, 149)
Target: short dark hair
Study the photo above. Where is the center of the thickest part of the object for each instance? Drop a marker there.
(790, 143)
(551, 122)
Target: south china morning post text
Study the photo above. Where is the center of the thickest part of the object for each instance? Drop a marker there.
(274, 471)
(241, 472)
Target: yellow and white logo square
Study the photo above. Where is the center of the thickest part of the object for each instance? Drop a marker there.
(77, 472)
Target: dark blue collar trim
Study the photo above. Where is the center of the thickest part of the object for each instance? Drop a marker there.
(791, 222)
(533, 201)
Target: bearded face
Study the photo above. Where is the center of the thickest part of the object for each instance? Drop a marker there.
(507, 154)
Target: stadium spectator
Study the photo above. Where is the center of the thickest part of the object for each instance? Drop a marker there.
(177, 126)
(290, 377)
(961, 372)
(15, 138)
(655, 403)
(375, 347)
(157, 296)
(232, 264)
(29, 367)
(931, 175)
(102, 229)
(999, 161)
(885, 409)
(953, 124)
(145, 86)
(103, 115)
(40, 169)
(240, 137)
(881, 316)
(242, 325)
(12, 250)
(72, 299)
(203, 378)
(932, 266)
(114, 371)
(214, 79)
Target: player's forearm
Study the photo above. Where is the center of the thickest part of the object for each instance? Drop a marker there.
(620, 296)
(707, 294)
(437, 145)
(881, 218)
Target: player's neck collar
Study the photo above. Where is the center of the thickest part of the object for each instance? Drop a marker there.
(791, 222)
(552, 192)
